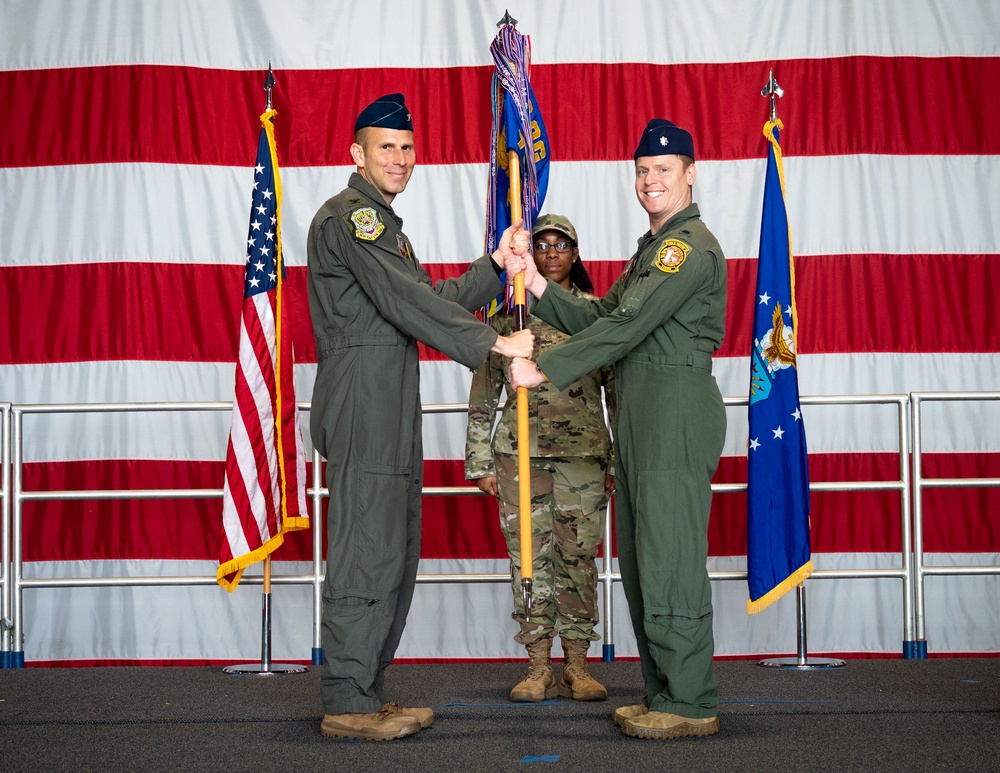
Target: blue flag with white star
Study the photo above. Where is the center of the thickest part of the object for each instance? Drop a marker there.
(778, 552)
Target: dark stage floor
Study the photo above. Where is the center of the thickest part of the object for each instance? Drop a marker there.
(874, 715)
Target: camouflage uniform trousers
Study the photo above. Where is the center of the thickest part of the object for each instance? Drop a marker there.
(569, 507)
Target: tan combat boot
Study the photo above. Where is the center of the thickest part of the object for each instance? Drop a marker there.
(624, 713)
(660, 725)
(540, 683)
(377, 726)
(424, 716)
(576, 682)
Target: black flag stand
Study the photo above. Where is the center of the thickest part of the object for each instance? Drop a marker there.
(266, 667)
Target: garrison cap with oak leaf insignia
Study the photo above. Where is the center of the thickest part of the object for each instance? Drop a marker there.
(662, 137)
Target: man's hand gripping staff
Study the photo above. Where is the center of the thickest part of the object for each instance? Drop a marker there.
(513, 254)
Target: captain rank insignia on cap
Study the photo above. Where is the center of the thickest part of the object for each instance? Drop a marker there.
(671, 255)
(367, 226)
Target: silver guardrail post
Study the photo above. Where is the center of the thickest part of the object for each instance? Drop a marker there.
(920, 483)
(6, 622)
(15, 655)
(317, 522)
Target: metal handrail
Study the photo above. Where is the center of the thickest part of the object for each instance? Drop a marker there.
(912, 569)
(6, 615)
(921, 571)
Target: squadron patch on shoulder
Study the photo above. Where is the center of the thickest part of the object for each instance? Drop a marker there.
(367, 226)
(671, 256)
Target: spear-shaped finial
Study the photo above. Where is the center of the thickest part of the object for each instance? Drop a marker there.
(269, 83)
(773, 90)
(507, 19)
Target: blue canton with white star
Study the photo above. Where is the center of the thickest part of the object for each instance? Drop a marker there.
(261, 267)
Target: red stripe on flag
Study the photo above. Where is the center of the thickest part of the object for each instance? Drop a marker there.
(877, 304)
(956, 520)
(124, 113)
(237, 491)
(254, 455)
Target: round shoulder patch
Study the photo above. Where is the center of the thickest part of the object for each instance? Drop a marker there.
(671, 255)
(367, 225)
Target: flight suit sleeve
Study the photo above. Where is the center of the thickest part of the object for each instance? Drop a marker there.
(648, 302)
(573, 313)
(475, 288)
(411, 306)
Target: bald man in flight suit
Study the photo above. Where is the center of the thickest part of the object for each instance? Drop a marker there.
(371, 302)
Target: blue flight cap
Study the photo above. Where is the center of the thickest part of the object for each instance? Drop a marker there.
(661, 137)
(388, 112)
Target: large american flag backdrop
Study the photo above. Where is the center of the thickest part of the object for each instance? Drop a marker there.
(126, 162)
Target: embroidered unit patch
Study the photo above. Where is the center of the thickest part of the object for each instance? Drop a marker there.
(404, 247)
(671, 255)
(367, 226)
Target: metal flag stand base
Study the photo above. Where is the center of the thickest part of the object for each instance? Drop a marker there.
(265, 667)
(802, 662)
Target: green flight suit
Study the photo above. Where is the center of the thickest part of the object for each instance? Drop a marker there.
(371, 301)
(660, 321)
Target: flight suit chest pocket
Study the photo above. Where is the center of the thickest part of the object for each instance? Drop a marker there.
(630, 305)
(637, 291)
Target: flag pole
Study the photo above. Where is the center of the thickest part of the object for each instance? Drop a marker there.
(266, 667)
(801, 661)
(523, 458)
(523, 444)
(265, 655)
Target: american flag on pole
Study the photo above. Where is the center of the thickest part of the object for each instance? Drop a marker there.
(264, 493)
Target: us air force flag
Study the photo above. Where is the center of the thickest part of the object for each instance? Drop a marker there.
(778, 554)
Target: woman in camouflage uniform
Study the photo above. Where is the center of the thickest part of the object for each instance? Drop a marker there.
(571, 480)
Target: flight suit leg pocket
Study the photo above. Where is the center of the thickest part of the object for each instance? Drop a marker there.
(381, 508)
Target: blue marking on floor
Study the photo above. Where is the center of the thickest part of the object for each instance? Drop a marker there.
(774, 700)
(549, 758)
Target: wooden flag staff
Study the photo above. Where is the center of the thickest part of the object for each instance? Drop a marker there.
(523, 443)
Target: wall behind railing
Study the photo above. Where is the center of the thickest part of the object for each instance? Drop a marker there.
(125, 178)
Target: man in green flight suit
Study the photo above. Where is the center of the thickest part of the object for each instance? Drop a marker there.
(371, 302)
(660, 322)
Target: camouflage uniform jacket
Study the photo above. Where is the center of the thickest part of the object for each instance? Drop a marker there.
(567, 422)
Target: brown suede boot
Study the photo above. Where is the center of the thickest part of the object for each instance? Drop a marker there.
(662, 726)
(624, 713)
(377, 726)
(424, 716)
(576, 682)
(540, 683)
